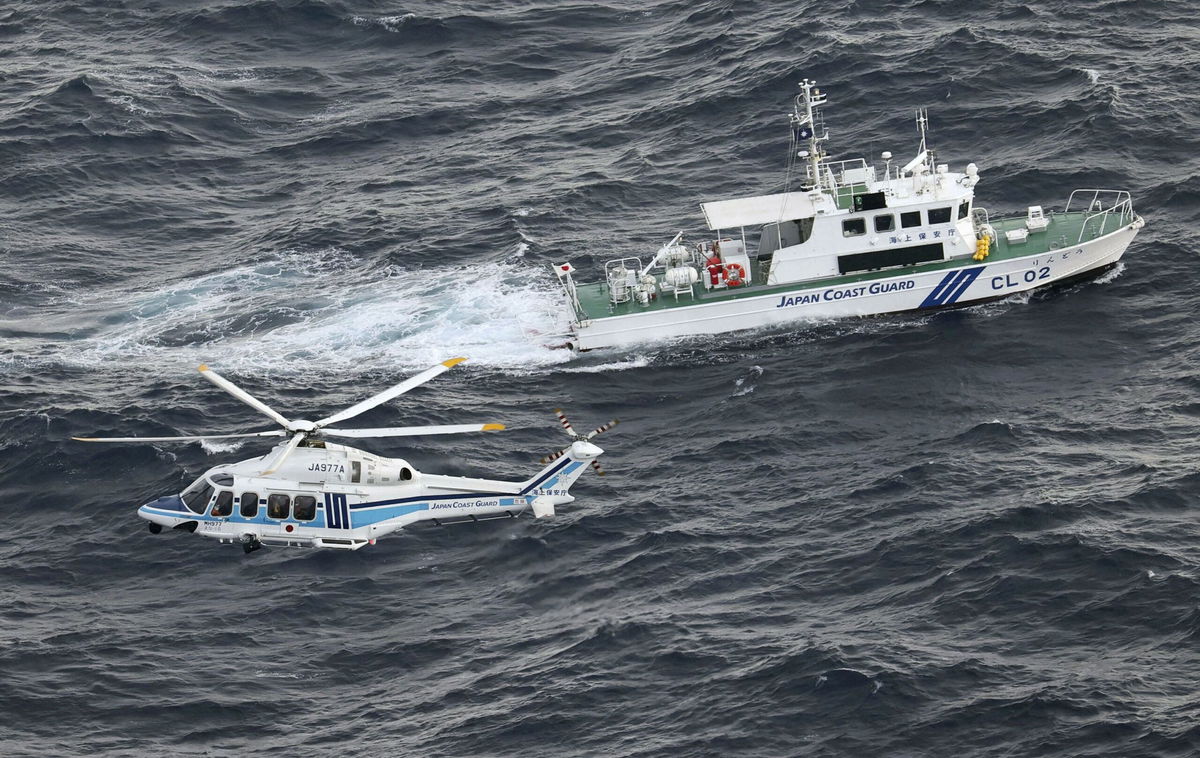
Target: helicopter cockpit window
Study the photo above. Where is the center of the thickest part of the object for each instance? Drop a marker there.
(249, 505)
(304, 508)
(278, 505)
(224, 505)
(223, 480)
(197, 496)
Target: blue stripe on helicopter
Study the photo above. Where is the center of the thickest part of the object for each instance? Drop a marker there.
(428, 498)
(952, 286)
(385, 510)
(337, 512)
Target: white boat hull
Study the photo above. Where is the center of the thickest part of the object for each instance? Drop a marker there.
(959, 286)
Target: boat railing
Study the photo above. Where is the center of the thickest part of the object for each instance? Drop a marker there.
(841, 178)
(620, 278)
(568, 284)
(1102, 206)
(979, 217)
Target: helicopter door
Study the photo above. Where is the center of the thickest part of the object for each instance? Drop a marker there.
(356, 466)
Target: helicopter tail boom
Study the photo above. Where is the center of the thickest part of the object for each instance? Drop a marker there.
(551, 485)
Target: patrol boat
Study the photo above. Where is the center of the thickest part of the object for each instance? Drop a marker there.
(852, 240)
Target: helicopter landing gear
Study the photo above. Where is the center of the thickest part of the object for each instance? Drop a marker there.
(155, 528)
(188, 526)
(250, 543)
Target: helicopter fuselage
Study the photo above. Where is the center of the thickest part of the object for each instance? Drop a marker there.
(335, 496)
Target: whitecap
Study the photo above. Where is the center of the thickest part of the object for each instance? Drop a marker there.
(635, 362)
(746, 384)
(220, 447)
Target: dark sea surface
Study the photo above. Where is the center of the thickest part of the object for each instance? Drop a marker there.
(973, 533)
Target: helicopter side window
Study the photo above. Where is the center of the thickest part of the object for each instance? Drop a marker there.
(197, 496)
(224, 505)
(278, 506)
(249, 506)
(355, 471)
(305, 508)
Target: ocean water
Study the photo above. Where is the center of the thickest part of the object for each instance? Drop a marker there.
(966, 534)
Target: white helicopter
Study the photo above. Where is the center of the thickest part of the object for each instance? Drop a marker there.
(311, 493)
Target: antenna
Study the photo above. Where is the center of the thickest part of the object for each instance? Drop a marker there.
(805, 126)
(929, 155)
(922, 125)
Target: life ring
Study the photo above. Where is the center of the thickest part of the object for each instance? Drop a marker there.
(735, 274)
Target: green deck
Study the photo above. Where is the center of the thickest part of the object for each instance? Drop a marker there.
(1063, 231)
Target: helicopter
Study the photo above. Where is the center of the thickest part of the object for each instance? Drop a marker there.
(310, 492)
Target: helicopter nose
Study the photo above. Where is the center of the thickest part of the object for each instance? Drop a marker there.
(163, 511)
(165, 505)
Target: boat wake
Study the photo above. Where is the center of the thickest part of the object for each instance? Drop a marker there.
(316, 311)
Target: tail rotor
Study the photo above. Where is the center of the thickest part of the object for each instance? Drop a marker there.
(553, 456)
(577, 437)
(566, 425)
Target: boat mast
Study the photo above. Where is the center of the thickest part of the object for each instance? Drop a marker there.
(923, 126)
(806, 125)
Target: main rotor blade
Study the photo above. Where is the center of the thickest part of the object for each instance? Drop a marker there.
(602, 429)
(272, 433)
(242, 395)
(283, 454)
(412, 431)
(562, 419)
(391, 392)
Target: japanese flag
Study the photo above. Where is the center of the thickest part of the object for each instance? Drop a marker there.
(563, 269)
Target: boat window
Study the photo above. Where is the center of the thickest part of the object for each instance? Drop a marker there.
(197, 496)
(885, 223)
(305, 508)
(804, 225)
(355, 471)
(896, 256)
(939, 215)
(783, 234)
(277, 506)
(224, 505)
(963, 210)
(870, 201)
(852, 227)
(249, 506)
(910, 219)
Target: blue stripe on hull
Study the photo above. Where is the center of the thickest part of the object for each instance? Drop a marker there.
(952, 287)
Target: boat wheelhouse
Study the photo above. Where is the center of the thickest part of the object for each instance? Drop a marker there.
(853, 239)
